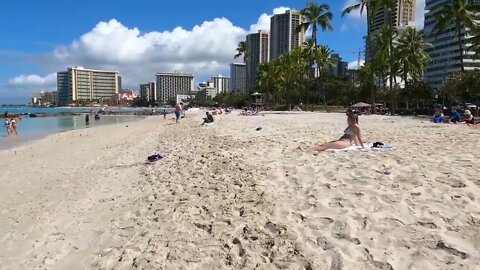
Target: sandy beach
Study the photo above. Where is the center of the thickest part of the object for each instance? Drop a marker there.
(227, 196)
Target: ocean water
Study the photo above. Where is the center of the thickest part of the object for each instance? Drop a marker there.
(58, 110)
(34, 128)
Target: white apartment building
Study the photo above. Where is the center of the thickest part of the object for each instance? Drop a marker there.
(445, 53)
(238, 77)
(169, 84)
(79, 83)
(221, 83)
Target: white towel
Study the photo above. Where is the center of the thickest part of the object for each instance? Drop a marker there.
(368, 147)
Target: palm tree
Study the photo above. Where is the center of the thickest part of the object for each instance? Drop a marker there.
(324, 61)
(369, 6)
(412, 57)
(242, 49)
(316, 15)
(460, 13)
(308, 54)
(267, 79)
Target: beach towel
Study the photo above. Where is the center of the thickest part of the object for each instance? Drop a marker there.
(368, 147)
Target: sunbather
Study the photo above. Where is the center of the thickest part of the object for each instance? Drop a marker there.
(352, 135)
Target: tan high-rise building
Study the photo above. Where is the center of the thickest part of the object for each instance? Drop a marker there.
(284, 34)
(403, 14)
(79, 83)
(258, 52)
(170, 84)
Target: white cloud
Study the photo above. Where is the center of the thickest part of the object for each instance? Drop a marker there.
(204, 50)
(354, 64)
(34, 80)
(263, 22)
(354, 14)
(420, 14)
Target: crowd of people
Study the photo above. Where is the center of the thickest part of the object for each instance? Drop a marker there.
(454, 118)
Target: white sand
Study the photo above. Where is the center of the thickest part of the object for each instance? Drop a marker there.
(229, 197)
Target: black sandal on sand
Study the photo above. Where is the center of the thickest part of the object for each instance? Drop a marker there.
(154, 158)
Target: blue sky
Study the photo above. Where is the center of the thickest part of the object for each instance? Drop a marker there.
(138, 38)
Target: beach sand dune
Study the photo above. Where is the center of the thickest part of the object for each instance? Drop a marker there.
(228, 196)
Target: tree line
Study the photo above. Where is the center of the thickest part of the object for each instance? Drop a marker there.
(395, 64)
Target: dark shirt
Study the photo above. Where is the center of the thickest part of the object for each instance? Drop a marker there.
(210, 118)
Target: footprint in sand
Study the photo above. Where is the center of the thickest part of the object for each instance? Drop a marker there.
(454, 183)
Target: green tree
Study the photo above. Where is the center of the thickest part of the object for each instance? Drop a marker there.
(242, 49)
(324, 62)
(411, 54)
(370, 8)
(460, 13)
(316, 15)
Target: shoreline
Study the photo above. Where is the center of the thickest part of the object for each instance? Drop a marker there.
(229, 196)
(12, 141)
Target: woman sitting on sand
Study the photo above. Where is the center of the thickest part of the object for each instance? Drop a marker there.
(352, 134)
(468, 117)
(438, 116)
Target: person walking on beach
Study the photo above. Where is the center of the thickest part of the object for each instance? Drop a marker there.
(87, 119)
(13, 126)
(164, 114)
(178, 111)
(7, 126)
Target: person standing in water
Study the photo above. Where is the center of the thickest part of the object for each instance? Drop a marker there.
(178, 111)
(13, 126)
(7, 126)
(87, 119)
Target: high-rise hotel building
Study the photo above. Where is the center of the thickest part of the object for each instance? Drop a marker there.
(402, 15)
(79, 83)
(444, 52)
(257, 53)
(284, 36)
(221, 83)
(148, 92)
(238, 78)
(169, 84)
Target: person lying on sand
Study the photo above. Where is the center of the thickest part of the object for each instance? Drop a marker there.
(352, 134)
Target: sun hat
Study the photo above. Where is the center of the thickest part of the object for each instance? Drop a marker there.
(467, 112)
